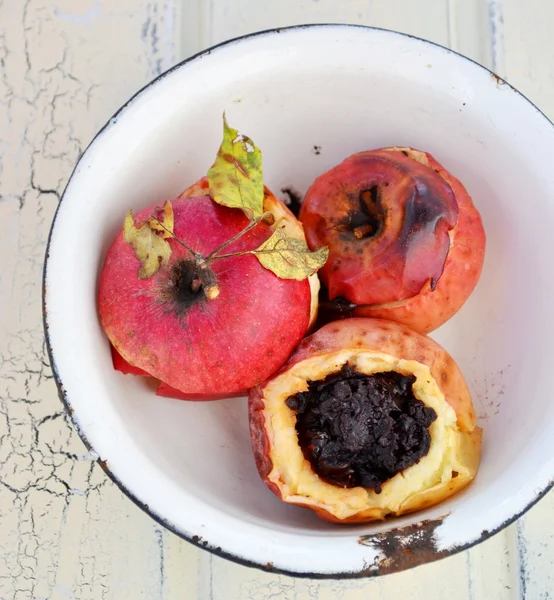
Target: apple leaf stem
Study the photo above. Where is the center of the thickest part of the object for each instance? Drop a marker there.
(253, 223)
(172, 235)
(286, 257)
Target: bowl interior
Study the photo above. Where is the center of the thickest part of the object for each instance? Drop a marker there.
(309, 97)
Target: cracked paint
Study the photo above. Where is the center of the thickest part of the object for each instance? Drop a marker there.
(66, 531)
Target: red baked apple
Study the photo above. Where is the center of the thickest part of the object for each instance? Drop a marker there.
(173, 330)
(406, 242)
(212, 292)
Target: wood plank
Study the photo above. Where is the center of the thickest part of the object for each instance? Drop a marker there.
(525, 53)
(494, 568)
(223, 20)
(447, 579)
(535, 537)
(65, 530)
(521, 32)
(468, 29)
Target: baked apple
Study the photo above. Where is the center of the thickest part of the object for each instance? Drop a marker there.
(406, 242)
(367, 419)
(284, 218)
(211, 292)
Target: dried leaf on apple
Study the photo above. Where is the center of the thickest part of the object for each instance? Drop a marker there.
(151, 249)
(166, 225)
(289, 258)
(235, 178)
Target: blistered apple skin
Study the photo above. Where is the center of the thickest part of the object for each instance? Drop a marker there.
(386, 337)
(437, 301)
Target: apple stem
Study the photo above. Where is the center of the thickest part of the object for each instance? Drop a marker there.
(212, 292)
(205, 278)
(362, 231)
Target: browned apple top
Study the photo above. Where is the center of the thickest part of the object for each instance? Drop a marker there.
(387, 220)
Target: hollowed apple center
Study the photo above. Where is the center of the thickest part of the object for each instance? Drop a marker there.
(361, 430)
(368, 218)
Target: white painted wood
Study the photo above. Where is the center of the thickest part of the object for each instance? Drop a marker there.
(65, 529)
(65, 66)
(525, 50)
(447, 580)
(459, 24)
(524, 53)
(468, 29)
(220, 19)
(535, 535)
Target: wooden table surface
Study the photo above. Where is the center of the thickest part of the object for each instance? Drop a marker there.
(66, 531)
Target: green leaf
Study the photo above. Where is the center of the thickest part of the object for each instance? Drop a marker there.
(290, 258)
(235, 178)
(151, 249)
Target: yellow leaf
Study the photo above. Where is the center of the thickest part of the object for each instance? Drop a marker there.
(151, 249)
(165, 225)
(290, 258)
(236, 178)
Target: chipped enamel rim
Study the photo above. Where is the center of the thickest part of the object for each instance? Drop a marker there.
(416, 540)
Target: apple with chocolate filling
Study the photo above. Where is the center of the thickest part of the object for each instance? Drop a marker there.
(406, 242)
(367, 419)
(211, 292)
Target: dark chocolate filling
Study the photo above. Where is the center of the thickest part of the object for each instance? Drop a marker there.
(361, 430)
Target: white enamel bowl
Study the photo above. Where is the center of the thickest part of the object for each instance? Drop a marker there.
(342, 89)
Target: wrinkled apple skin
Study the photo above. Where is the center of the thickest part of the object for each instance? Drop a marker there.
(384, 285)
(395, 339)
(217, 347)
(121, 365)
(380, 335)
(169, 392)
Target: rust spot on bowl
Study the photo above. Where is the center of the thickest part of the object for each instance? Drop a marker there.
(405, 547)
(498, 80)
